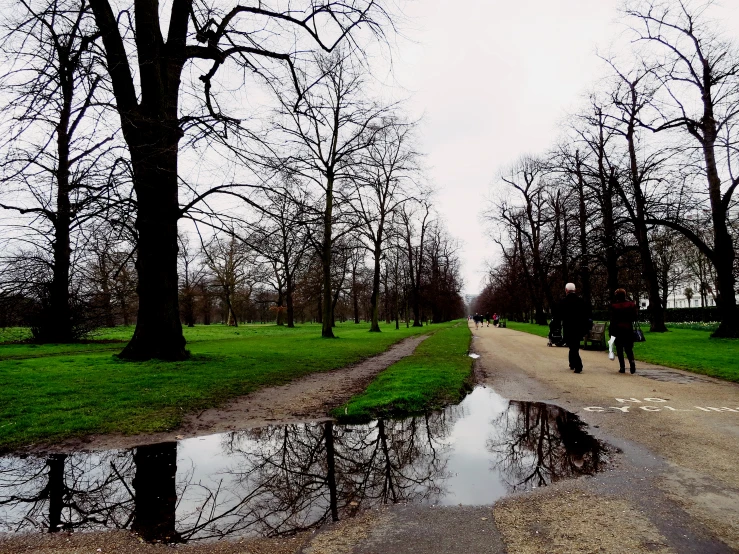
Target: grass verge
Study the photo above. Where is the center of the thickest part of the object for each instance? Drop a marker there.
(52, 392)
(683, 348)
(436, 374)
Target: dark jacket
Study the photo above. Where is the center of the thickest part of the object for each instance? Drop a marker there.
(623, 316)
(574, 314)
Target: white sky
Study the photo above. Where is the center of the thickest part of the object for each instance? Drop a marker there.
(494, 79)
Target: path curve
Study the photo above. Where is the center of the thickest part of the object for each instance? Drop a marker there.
(309, 398)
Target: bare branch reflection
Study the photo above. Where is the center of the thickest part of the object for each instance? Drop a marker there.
(284, 479)
(536, 444)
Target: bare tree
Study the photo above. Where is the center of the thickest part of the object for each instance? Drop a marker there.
(149, 104)
(58, 156)
(699, 73)
(192, 275)
(631, 97)
(386, 184)
(325, 131)
(530, 215)
(414, 219)
(229, 260)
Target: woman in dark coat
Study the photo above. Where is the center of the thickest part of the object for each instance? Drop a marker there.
(623, 316)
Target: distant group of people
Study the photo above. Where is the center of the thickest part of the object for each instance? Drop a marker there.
(574, 315)
(479, 319)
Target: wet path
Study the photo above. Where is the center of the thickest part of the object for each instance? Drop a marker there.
(679, 434)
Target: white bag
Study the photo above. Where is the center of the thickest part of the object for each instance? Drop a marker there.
(611, 355)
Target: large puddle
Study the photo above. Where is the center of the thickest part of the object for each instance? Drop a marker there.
(282, 479)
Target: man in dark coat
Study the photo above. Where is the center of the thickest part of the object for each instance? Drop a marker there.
(574, 314)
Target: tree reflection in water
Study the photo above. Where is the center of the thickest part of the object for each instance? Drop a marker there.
(286, 479)
(66, 492)
(279, 480)
(536, 444)
(267, 481)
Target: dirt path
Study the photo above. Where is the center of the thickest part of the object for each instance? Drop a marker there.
(310, 398)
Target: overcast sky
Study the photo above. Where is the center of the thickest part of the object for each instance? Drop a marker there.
(494, 79)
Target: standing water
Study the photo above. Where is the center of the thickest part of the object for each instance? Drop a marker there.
(282, 479)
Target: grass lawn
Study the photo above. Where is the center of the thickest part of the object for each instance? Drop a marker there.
(681, 347)
(436, 374)
(49, 392)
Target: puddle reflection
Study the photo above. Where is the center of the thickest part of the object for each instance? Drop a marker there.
(282, 479)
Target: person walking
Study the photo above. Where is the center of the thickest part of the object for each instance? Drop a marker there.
(623, 315)
(487, 318)
(573, 313)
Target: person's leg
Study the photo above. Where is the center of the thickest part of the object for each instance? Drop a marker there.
(574, 356)
(620, 354)
(629, 347)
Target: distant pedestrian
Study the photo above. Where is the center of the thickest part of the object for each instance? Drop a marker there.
(476, 317)
(496, 319)
(623, 315)
(573, 313)
(487, 318)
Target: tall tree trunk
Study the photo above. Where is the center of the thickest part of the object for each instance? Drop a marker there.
(374, 300)
(609, 232)
(328, 434)
(58, 326)
(158, 331)
(280, 308)
(355, 295)
(386, 297)
(582, 227)
(641, 232)
(150, 125)
(723, 246)
(326, 252)
(289, 299)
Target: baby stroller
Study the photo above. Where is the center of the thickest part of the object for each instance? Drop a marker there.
(555, 334)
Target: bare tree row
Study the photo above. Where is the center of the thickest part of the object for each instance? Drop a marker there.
(103, 111)
(641, 186)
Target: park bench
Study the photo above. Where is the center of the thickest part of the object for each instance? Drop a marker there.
(596, 335)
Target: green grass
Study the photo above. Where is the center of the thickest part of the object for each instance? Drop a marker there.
(436, 374)
(51, 392)
(541, 330)
(683, 347)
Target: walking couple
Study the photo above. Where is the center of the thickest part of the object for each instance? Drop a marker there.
(574, 314)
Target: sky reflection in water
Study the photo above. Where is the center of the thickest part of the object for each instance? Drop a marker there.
(281, 479)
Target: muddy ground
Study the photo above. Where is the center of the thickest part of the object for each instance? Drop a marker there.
(674, 486)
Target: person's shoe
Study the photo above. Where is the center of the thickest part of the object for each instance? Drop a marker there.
(571, 368)
(632, 369)
(622, 370)
(578, 370)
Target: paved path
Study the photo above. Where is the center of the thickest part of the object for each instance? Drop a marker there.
(674, 487)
